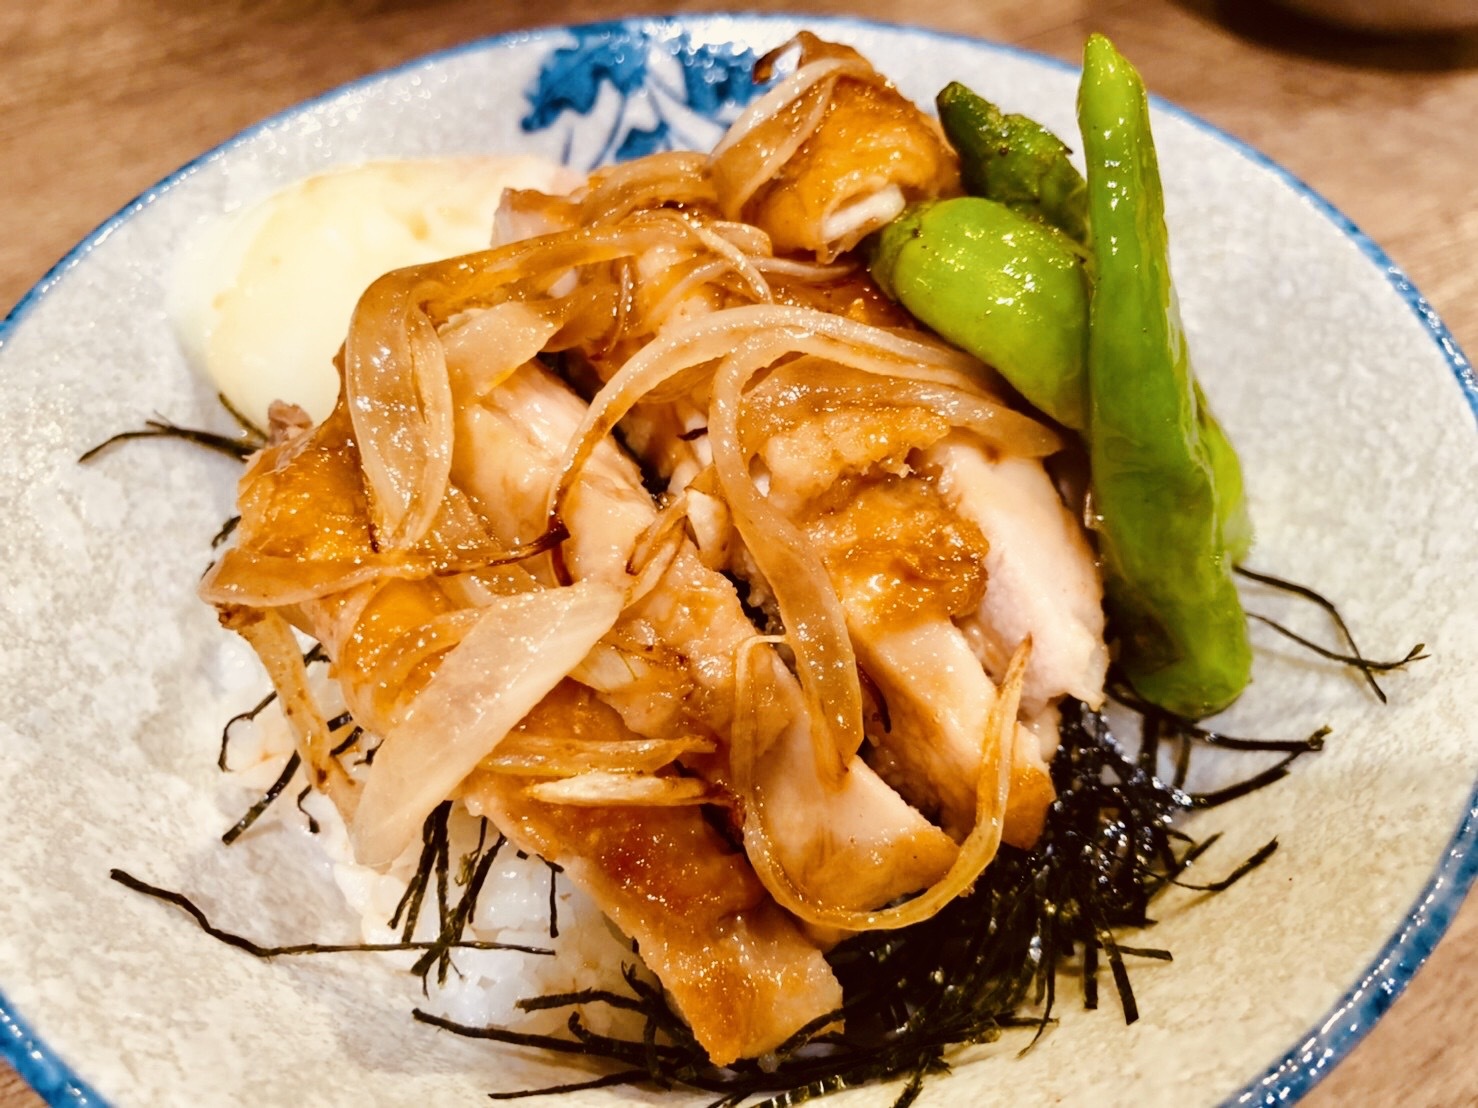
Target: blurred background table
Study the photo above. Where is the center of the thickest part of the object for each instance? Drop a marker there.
(100, 98)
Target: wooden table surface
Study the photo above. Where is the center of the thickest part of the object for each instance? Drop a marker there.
(100, 98)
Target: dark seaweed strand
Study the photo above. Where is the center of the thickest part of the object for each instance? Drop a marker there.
(314, 654)
(255, 811)
(476, 865)
(554, 871)
(275, 789)
(249, 429)
(225, 532)
(621, 1077)
(251, 439)
(1366, 667)
(312, 823)
(433, 831)
(966, 975)
(349, 742)
(442, 865)
(239, 447)
(240, 717)
(179, 900)
(1355, 658)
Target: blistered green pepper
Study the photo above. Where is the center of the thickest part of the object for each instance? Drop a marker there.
(1161, 477)
(1226, 470)
(1009, 289)
(1015, 161)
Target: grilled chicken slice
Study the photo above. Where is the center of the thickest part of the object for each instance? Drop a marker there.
(735, 966)
(865, 153)
(1043, 579)
(674, 649)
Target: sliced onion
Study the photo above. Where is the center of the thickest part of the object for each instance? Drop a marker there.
(976, 852)
(759, 288)
(753, 163)
(674, 177)
(400, 402)
(605, 669)
(600, 788)
(847, 225)
(804, 387)
(804, 270)
(272, 638)
(708, 338)
(523, 754)
(398, 663)
(248, 578)
(395, 380)
(655, 549)
(790, 88)
(489, 346)
(753, 240)
(815, 623)
(705, 272)
(521, 647)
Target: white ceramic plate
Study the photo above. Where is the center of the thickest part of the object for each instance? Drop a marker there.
(1353, 409)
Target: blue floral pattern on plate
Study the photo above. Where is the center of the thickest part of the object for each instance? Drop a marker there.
(622, 91)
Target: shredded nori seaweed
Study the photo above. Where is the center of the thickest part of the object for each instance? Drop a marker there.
(257, 950)
(1368, 669)
(314, 654)
(273, 792)
(987, 963)
(251, 439)
(434, 866)
(312, 823)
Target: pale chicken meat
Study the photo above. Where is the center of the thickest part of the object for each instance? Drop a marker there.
(677, 648)
(1044, 580)
(907, 565)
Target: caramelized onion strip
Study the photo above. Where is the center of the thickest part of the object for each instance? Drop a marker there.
(252, 579)
(815, 623)
(790, 88)
(524, 754)
(601, 788)
(272, 638)
(976, 852)
(656, 549)
(806, 387)
(673, 177)
(519, 649)
(396, 384)
(711, 337)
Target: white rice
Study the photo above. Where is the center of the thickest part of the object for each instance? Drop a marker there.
(484, 987)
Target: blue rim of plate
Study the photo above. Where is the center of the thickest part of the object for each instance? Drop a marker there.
(1287, 1078)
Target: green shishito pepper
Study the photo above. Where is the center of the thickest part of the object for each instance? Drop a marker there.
(1096, 345)
(1014, 160)
(1009, 289)
(1168, 534)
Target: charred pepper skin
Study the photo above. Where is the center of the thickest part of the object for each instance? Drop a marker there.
(1163, 516)
(1015, 161)
(1009, 289)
